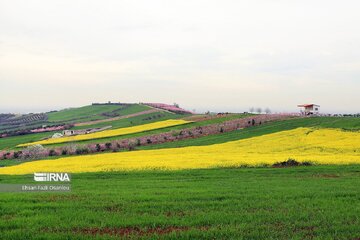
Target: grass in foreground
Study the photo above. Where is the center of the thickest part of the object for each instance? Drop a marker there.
(317, 202)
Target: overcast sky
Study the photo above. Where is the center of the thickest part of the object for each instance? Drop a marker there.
(203, 54)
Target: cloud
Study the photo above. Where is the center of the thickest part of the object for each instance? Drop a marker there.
(202, 54)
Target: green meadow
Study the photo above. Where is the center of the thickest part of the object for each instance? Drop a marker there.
(315, 202)
(93, 112)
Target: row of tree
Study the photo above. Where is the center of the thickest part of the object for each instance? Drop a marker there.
(259, 110)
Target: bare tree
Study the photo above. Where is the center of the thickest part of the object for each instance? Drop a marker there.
(267, 111)
(33, 151)
(252, 109)
(259, 110)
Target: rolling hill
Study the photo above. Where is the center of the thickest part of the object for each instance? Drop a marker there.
(226, 176)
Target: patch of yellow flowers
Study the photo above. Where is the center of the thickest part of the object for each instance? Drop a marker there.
(322, 146)
(110, 133)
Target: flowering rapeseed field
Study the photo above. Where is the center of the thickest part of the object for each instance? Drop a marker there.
(110, 133)
(322, 146)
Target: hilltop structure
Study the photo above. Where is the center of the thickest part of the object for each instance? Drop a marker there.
(171, 108)
(309, 109)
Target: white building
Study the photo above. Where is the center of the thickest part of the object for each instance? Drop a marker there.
(84, 131)
(309, 109)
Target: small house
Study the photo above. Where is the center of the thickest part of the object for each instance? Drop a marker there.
(84, 131)
(309, 109)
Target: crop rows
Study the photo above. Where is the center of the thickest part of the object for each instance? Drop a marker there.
(25, 119)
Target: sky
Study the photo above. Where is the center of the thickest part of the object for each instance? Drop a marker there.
(217, 55)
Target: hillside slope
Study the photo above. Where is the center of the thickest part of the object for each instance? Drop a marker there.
(94, 112)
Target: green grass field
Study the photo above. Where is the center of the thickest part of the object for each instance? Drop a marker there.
(11, 142)
(133, 121)
(93, 112)
(316, 202)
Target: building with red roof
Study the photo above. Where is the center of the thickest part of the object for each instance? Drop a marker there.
(309, 109)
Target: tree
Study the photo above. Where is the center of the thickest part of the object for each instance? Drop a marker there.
(33, 151)
(259, 110)
(252, 109)
(176, 105)
(267, 111)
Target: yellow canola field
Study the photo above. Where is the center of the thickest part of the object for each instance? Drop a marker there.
(110, 133)
(323, 146)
